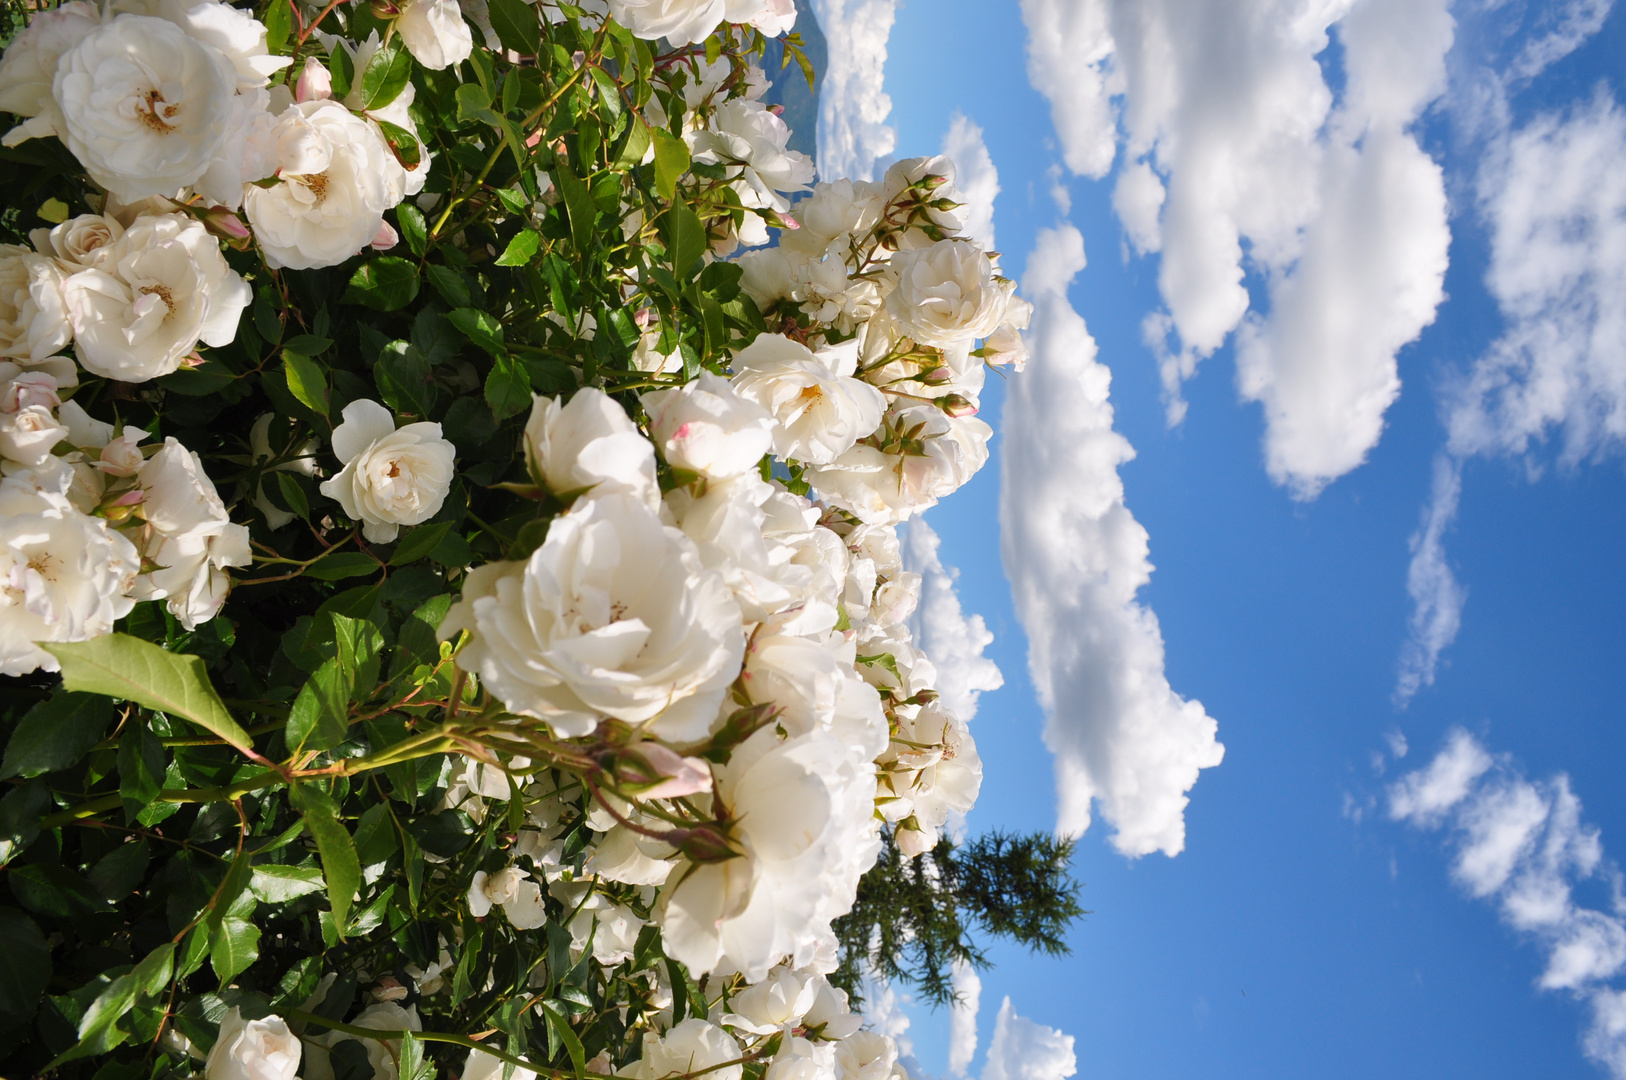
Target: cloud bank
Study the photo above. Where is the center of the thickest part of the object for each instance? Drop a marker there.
(1554, 198)
(1076, 557)
(853, 134)
(1237, 158)
(953, 639)
(1024, 1050)
(1521, 844)
(976, 177)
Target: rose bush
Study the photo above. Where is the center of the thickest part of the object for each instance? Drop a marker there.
(451, 612)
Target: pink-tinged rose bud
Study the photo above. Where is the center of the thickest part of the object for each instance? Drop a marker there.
(644, 317)
(789, 223)
(30, 388)
(939, 375)
(384, 9)
(122, 456)
(314, 82)
(193, 361)
(227, 226)
(683, 775)
(129, 498)
(386, 238)
(957, 405)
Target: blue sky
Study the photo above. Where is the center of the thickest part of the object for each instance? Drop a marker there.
(1317, 923)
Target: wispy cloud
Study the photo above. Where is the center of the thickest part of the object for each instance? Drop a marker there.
(854, 137)
(975, 176)
(963, 1018)
(1076, 557)
(1437, 597)
(1522, 844)
(1237, 159)
(953, 639)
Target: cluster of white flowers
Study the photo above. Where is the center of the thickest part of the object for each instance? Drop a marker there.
(168, 105)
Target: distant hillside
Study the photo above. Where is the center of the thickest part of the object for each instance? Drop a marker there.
(790, 87)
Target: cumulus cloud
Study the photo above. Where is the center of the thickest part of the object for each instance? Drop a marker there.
(1522, 844)
(963, 1018)
(975, 176)
(1237, 159)
(1437, 597)
(952, 638)
(853, 133)
(1024, 1050)
(1076, 557)
(1555, 200)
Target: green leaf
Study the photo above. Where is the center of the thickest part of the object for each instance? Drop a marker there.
(480, 328)
(637, 144)
(293, 495)
(375, 837)
(685, 239)
(343, 70)
(97, 1033)
(508, 388)
(141, 767)
(238, 873)
(386, 75)
(126, 667)
(117, 873)
(405, 380)
(56, 733)
(473, 100)
(561, 1027)
(671, 161)
(403, 144)
(340, 866)
(25, 965)
(578, 205)
(278, 23)
(516, 25)
(234, 948)
(306, 381)
(521, 249)
(20, 811)
(345, 564)
(274, 884)
(412, 1065)
(449, 283)
(384, 283)
(320, 716)
(414, 229)
(419, 542)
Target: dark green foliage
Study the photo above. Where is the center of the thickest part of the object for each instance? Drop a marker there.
(913, 917)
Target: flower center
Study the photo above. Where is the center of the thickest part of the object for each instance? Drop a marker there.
(618, 611)
(811, 393)
(41, 562)
(316, 184)
(157, 113)
(163, 293)
(395, 469)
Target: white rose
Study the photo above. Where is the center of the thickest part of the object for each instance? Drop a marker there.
(910, 171)
(122, 456)
(434, 33)
(772, 17)
(402, 181)
(804, 815)
(390, 477)
(685, 1048)
(253, 1049)
(29, 65)
(748, 133)
(939, 772)
(21, 387)
(383, 1055)
(609, 929)
(766, 1007)
(866, 1055)
(612, 616)
(249, 154)
(726, 525)
(159, 289)
(834, 212)
(682, 22)
(708, 428)
(802, 1059)
(886, 488)
(28, 434)
(511, 889)
(64, 575)
(338, 179)
(589, 443)
(191, 539)
(143, 106)
(237, 35)
(80, 241)
(483, 1066)
(84, 430)
(767, 275)
(33, 315)
(947, 294)
(822, 411)
(621, 856)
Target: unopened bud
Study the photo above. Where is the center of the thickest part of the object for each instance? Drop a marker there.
(227, 226)
(957, 405)
(314, 83)
(666, 774)
(384, 9)
(938, 375)
(195, 360)
(386, 237)
(702, 844)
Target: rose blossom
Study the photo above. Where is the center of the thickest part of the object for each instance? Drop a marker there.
(391, 477)
(687, 1047)
(80, 241)
(29, 65)
(253, 1049)
(483, 1066)
(190, 537)
(612, 616)
(434, 33)
(589, 444)
(64, 575)
(821, 409)
(947, 294)
(143, 106)
(33, 315)
(682, 22)
(707, 428)
(519, 897)
(28, 434)
(158, 290)
(338, 178)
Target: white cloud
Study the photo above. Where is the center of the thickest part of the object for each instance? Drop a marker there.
(1437, 597)
(1554, 197)
(1522, 844)
(975, 176)
(963, 1018)
(1023, 1050)
(952, 639)
(1076, 557)
(1561, 29)
(1237, 160)
(853, 134)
